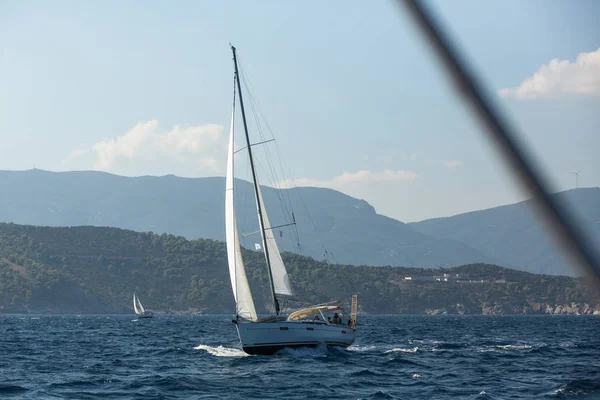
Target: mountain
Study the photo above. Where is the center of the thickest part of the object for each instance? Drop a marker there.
(348, 228)
(514, 234)
(96, 270)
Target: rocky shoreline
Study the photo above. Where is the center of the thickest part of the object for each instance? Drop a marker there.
(529, 309)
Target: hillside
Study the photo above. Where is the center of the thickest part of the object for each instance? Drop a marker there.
(96, 270)
(194, 208)
(349, 228)
(513, 233)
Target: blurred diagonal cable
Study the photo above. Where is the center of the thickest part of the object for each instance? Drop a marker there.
(505, 138)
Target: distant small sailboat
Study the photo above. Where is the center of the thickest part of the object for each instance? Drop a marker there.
(307, 327)
(139, 308)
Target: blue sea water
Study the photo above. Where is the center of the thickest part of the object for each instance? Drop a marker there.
(394, 357)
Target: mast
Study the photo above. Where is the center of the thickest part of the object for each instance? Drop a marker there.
(258, 208)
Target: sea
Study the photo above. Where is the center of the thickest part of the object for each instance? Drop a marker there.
(394, 357)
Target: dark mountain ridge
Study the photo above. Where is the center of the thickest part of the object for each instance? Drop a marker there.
(194, 208)
(514, 233)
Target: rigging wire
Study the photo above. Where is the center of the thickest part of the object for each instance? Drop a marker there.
(278, 182)
(276, 178)
(259, 116)
(346, 281)
(326, 253)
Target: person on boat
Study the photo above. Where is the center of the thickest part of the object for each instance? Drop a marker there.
(316, 318)
(329, 320)
(336, 319)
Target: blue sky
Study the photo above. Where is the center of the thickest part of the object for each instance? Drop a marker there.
(354, 96)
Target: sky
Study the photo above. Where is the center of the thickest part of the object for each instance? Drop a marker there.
(353, 95)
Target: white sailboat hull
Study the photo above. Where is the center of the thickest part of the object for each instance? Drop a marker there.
(270, 337)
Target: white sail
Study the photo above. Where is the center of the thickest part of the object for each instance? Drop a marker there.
(281, 281)
(135, 308)
(237, 272)
(140, 306)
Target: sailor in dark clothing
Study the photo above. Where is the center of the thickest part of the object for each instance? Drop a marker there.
(336, 319)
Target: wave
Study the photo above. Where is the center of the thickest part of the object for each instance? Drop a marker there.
(567, 345)
(380, 395)
(12, 389)
(509, 347)
(448, 345)
(319, 351)
(77, 383)
(578, 387)
(221, 351)
(402, 350)
(366, 372)
(403, 361)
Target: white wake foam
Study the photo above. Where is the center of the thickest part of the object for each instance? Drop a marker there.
(402, 350)
(513, 346)
(505, 347)
(221, 351)
(361, 348)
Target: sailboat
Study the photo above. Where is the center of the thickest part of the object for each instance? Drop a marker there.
(139, 308)
(306, 327)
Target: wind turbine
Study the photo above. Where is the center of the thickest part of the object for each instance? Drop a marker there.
(576, 178)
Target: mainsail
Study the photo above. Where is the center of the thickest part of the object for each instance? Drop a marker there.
(237, 272)
(137, 305)
(135, 308)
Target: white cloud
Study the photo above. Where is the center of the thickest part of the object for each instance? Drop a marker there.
(146, 150)
(363, 177)
(452, 163)
(368, 176)
(561, 78)
(376, 187)
(77, 153)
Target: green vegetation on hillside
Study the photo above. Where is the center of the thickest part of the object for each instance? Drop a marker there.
(90, 269)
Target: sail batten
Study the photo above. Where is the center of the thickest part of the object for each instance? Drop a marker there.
(237, 272)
